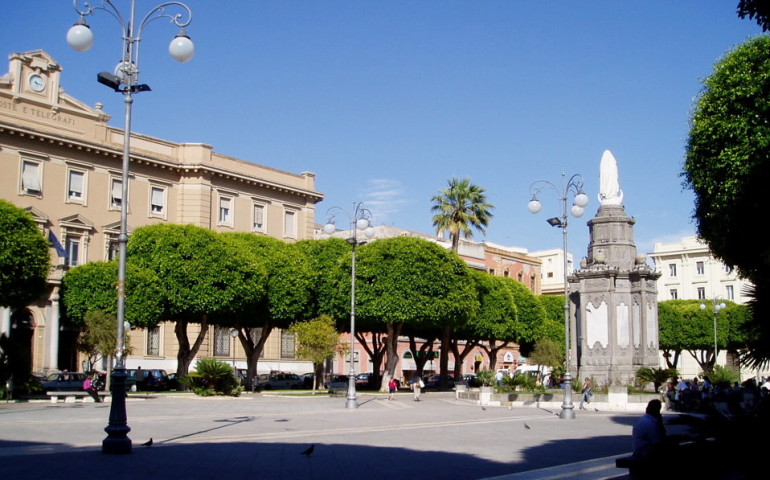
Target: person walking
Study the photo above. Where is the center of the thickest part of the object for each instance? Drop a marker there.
(392, 388)
(417, 386)
(587, 393)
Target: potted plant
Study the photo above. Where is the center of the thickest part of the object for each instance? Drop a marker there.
(486, 378)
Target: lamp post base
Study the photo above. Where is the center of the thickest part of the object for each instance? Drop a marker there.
(117, 441)
(351, 400)
(567, 408)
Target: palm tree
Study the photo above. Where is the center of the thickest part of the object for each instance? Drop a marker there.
(460, 208)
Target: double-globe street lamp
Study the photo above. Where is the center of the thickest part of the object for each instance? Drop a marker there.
(125, 80)
(716, 307)
(359, 220)
(574, 187)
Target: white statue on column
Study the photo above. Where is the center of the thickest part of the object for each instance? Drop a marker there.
(609, 192)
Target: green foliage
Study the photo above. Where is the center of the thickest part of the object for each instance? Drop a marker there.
(202, 274)
(460, 208)
(285, 290)
(727, 375)
(553, 324)
(548, 352)
(211, 374)
(99, 336)
(757, 10)
(531, 314)
(486, 377)
(656, 376)
(727, 166)
(322, 257)
(24, 257)
(91, 287)
(407, 280)
(521, 383)
(318, 339)
(496, 317)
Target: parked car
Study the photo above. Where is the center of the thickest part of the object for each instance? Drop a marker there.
(307, 380)
(337, 382)
(471, 380)
(432, 382)
(364, 380)
(64, 381)
(151, 379)
(279, 381)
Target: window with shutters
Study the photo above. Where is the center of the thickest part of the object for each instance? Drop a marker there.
(76, 186)
(222, 340)
(225, 211)
(259, 218)
(157, 201)
(153, 341)
(290, 224)
(31, 178)
(287, 344)
(116, 194)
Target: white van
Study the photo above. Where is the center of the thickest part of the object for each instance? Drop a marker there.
(541, 372)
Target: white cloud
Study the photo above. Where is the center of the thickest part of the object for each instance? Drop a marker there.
(385, 198)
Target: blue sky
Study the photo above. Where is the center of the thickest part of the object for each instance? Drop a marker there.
(386, 100)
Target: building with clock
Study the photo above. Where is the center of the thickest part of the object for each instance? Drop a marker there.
(62, 162)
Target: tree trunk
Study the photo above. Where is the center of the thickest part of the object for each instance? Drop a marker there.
(446, 335)
(376, 351)
(187, 352)
(492, 352)
(391, 346)
(461, 355)
(253, 342)
(422, 354)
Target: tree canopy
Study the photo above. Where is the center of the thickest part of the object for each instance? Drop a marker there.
(24, 257)
(727, 166)
(91, 287)
(202, 276)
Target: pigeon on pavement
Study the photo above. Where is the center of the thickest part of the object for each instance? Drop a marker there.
(309, 450)
(148, 443)
(526, 426)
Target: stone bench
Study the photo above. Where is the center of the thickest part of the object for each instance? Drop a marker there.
(73, 396)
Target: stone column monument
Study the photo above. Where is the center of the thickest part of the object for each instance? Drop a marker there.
(613, 297)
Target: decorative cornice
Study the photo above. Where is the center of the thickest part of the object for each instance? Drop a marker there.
(140, 159)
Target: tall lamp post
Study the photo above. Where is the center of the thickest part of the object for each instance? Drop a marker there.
(716, 307)
(359, 220)
(125, 80)
(234, 335)
(574, 187)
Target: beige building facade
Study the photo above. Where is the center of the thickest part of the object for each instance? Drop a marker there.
(690, 272)
(62, 162)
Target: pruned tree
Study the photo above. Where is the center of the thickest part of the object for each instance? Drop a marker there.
(282, 291)
(24, 257)
(318, 341)
(405, 281)
(727, 164)
(202, 276)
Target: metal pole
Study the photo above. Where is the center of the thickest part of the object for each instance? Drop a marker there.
(567, 408)
(716, 314)
(351, 400)
(117, 441)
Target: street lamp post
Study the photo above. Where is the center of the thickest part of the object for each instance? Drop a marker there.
(234, 335)
(125, 80)
(716, 307)
(359, 220)
(573, 186)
